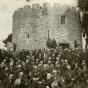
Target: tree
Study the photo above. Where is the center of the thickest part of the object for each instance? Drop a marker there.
(8, 39)
(51, 43)
(83, 6)
(54, 43)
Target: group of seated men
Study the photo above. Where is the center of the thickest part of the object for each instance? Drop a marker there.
(44, 68)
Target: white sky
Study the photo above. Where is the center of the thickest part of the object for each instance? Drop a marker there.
(7, 8)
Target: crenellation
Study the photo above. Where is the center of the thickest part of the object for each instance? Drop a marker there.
(27, 8)
(19, 14)
(44, 8)
(36, 6)
(56, 5)
(65, 6)
(19, 10)
(46, 5)
(14, 14)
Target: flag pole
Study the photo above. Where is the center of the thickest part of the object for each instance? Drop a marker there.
(48, 35)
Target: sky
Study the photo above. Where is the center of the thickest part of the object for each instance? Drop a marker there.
(7, 8)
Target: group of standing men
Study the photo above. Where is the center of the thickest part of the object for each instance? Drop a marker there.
(44, 68)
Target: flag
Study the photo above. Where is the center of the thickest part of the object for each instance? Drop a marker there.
(28, 0)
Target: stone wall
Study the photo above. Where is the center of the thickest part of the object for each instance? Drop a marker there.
(31, 25)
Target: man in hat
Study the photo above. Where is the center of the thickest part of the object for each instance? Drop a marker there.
(35, 73)
(18, 70)
(33, 84)
(67, 76)
(5, 82)
(48, 81)
(43, 73)
(1, 86)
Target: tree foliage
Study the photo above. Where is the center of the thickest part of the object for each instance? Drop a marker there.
(8, 39)
(83, 6)
(51, 43)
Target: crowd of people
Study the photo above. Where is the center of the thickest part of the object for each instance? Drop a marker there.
(44, 68)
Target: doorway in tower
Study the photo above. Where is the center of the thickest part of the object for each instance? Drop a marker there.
(64, 45)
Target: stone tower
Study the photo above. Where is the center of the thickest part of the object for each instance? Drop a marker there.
(31, 26)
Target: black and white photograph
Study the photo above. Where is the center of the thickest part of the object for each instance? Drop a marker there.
(43, 43)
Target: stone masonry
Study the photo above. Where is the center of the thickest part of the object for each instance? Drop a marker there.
(31, 25)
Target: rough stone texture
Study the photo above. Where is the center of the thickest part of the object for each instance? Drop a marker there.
(35, 22)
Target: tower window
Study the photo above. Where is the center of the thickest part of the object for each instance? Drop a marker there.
(62, 19)
(28, 35)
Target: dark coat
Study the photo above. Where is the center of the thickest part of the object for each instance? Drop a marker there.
(48, 83)
(1, 86)
(6, 83)
(34, 84)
